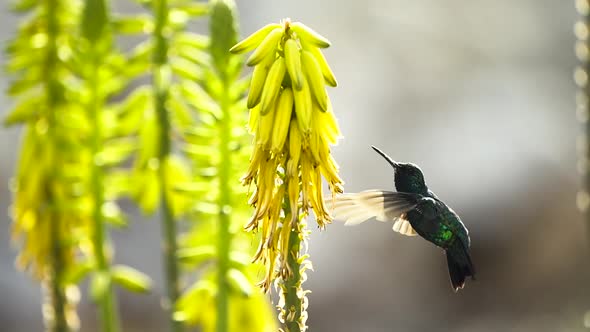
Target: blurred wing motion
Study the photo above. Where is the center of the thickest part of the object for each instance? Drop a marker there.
(383, 205)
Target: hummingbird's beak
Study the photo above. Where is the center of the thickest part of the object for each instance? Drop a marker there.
(393, 163)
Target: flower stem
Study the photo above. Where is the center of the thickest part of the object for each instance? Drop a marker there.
(292, 286)
(107, 305)
(161, 81)
(58, 322)
(224, 236)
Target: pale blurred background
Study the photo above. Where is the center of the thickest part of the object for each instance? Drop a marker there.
(479, 94)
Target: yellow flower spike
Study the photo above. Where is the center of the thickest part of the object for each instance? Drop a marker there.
(315, 78)
(284, 108)
(272, 85)
(254, 39)
(293, 61)
(267, 46)
(258, 78)
(308, 34)
(293, 125)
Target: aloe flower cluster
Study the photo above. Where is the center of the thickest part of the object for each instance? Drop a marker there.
(293, 123)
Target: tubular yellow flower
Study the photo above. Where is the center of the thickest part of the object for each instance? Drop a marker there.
(293, 123)
(254, 40)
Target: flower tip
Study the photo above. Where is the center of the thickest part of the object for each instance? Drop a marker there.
(234, 49)
(286, 23)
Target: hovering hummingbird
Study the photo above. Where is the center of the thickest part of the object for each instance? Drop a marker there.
(414, 210)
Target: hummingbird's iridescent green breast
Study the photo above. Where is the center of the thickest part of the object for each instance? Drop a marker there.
(451, 229)
(436, 222)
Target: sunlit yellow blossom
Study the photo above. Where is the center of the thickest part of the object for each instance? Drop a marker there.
(293, 124)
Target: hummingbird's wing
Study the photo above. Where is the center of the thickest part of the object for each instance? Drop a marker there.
(355, 208)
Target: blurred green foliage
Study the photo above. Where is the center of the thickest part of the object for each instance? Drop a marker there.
(217, 144)
(51, 211)
(96, 132)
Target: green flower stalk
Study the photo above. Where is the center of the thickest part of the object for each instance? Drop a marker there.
(67, 182)
(97, 44)
(47, 214)
(293, 123)
(223, 296)
(107, 143)
(161, 83)
(158, 169)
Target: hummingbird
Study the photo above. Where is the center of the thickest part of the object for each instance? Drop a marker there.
(414, 210)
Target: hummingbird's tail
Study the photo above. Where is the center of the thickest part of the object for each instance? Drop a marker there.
(460, 265)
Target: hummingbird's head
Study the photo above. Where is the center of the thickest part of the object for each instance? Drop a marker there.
(408, 176)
